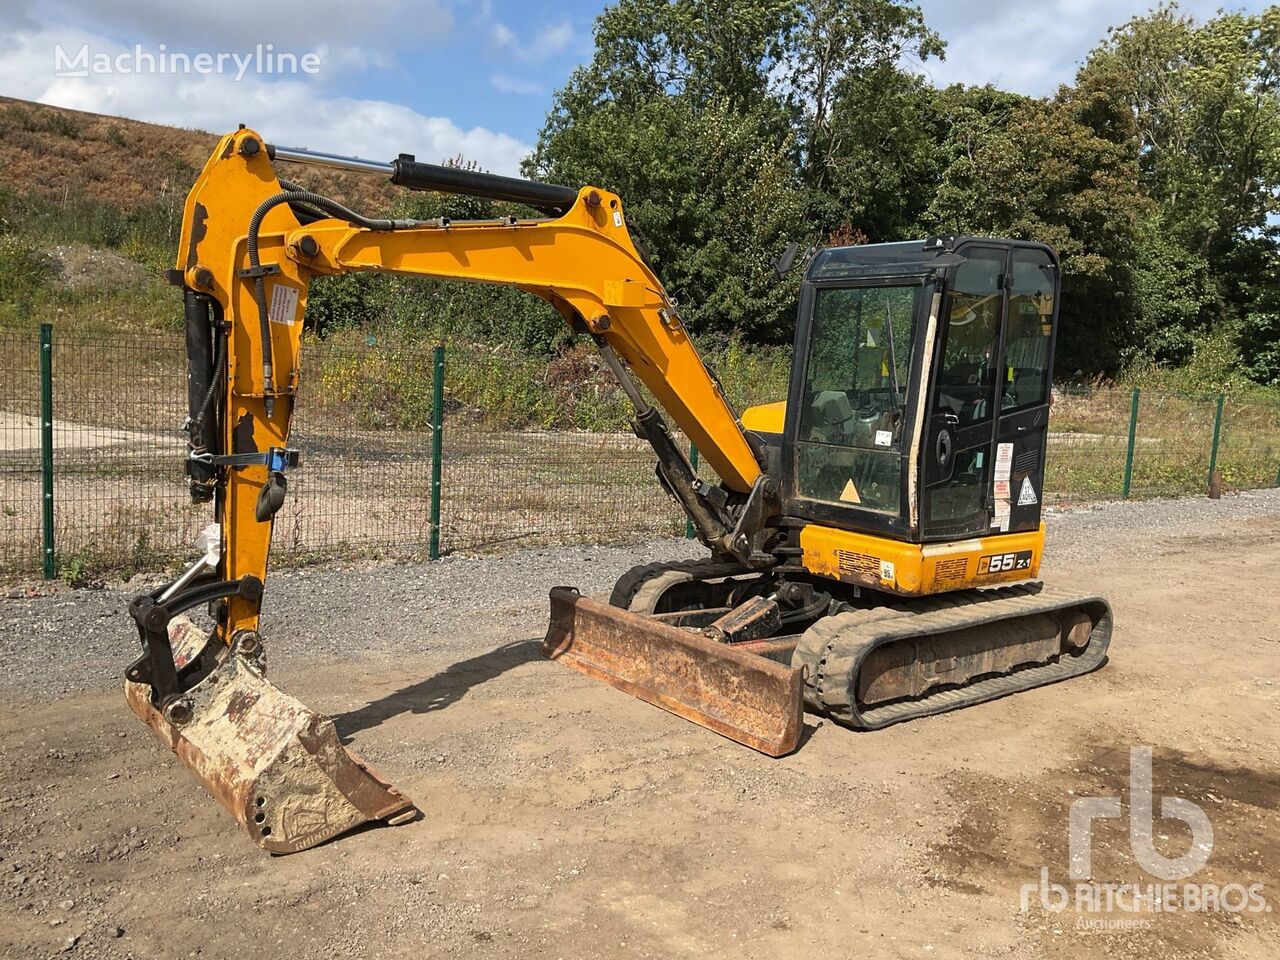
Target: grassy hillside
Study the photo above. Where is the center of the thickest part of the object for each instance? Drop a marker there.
(69, 157)
(90, 209)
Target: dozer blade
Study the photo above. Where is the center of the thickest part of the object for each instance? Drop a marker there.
(276, 765)
(745, 697)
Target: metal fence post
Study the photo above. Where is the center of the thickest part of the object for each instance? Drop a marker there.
(1133, 436)
(46, 448)
(693, 461)
(437, 445)
(1217, 435)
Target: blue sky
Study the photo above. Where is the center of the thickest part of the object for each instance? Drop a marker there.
(437, 77)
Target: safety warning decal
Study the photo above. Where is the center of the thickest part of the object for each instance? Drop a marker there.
(284, 303)
(1027, 495)
(1004, 459)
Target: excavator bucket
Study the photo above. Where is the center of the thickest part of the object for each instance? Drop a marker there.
(276, 765)
(740, 695)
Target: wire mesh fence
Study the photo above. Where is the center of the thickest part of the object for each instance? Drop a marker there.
(1088, 444)
(365, 425)
(20, 473)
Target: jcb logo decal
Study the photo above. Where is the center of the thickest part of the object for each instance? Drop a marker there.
(1005, 562)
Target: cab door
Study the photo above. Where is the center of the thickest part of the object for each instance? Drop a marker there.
(963, 409)
(1022, 431)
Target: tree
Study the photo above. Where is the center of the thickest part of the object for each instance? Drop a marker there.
(1058, 171)
(705, 117)
(1205, 99)
(844, 54)
(1205, 104)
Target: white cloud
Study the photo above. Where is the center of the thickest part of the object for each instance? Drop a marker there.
(1030, 47)
(293, 112)
(548, 43)
(507, 84)
(552, 41)
(500, 36)
(396, 23)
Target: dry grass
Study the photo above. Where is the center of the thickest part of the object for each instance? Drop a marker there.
(60, 154)
(363, 489)
(1172, 443)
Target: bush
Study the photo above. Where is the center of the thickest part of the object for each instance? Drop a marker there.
(62, 124)
(24, 272)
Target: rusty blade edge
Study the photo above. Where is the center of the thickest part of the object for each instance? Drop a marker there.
(780, 685)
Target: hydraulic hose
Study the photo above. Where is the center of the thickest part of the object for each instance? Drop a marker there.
(335, 210)
(219, 371)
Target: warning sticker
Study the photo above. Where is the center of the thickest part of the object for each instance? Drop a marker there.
(1004, 460)
(850, 493)
(284, 304)
(884, 438)
(1002, 489)
(1027, 495)
(1001, 518)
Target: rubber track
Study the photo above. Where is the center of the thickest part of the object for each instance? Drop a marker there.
(834, 648)
(699, 568)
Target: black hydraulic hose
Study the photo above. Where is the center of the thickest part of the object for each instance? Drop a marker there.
(814, 609)
(331, 207)
(304, 214)
(219, 371)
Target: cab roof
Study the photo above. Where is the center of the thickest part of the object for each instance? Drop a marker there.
(908, 258)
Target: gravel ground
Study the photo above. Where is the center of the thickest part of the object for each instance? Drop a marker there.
(79, 640)
(562, 818)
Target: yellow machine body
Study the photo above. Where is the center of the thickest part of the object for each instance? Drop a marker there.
(808, 597)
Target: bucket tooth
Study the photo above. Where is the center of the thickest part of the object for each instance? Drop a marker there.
(740, 695)
(277, 766)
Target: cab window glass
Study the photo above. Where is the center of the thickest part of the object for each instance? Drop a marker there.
(1030, 330)
(860, 352)
(966, 381)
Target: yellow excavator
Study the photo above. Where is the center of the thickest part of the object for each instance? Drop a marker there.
(873, 539)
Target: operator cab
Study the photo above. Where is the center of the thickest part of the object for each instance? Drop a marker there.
(920, 390)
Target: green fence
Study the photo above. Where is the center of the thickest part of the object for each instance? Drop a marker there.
(364, 425)
(400, 456)
(1111, 442)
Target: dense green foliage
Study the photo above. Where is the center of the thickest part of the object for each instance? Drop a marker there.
(731, 126)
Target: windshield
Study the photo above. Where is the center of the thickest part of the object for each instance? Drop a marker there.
(860, 352)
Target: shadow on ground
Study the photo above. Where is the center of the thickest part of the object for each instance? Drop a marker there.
(440, 690)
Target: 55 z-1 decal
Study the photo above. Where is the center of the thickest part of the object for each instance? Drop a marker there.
(1005, 562)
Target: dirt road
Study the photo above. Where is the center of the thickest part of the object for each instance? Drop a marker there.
(563, 819)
